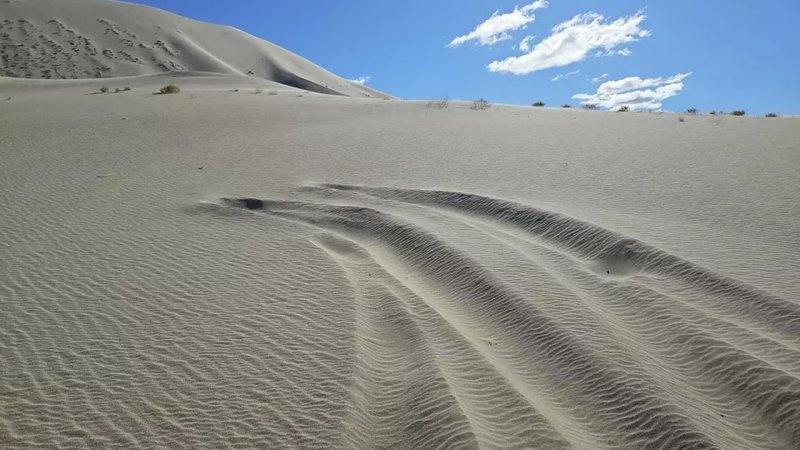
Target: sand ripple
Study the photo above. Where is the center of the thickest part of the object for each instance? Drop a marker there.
(400, 319)
(643, 350)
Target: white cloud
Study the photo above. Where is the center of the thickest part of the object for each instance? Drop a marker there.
(623, 52)
(573, 40)
(634, 92)
(362, 80)
(525, 44)
(565, 75)
(496, 28)
(599, 79)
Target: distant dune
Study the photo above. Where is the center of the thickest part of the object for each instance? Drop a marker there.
(252, 262)
(68, 39)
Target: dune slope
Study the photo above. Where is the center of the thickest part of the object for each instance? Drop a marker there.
(219, 269)
(56, 39)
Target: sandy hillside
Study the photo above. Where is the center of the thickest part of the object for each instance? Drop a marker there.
(68, 39)
(247, 264)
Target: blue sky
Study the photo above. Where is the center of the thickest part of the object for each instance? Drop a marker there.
(709, 54)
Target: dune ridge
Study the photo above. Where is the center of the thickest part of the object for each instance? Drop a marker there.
(749, 378)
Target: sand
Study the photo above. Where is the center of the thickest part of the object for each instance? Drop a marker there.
(292, 269)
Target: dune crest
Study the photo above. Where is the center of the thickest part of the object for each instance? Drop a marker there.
(579, 394)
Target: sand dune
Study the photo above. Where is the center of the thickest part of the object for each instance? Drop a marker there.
(56, 39)
(146, 305)
(220, 269)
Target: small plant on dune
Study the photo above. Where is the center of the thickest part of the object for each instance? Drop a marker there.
(590, 106)
(691, 111)
(169, 89)
(713, 113)
(623, 109)
(566, 105)
(103, 89)
(738, 112)
(442, 103)
(771, 115)
(480, 103)
(127, 88)
(117, 90)
(680, 119)
(538, 104)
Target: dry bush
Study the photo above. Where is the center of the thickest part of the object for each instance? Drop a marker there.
(104, 89)
(680, 119)
(480, 103)
(538, 104)
(590, 106)
(169, 89)
(442, 103)
(771, 115)
(738, 112)
(117, 90)
(623, 109)
(127, 88)
(691, 111)
(566, 105)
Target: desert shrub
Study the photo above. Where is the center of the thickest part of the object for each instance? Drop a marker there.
(591, 106)
(691, 111)
(538, 104)
(127, 88)
(713, 113)
(442, 103)
(169, 89)
(623, 109)
(566, 105)
(104, 89)
(680, 119)
(771, 115)
(480, 103)
(738, 112)
(117, 90)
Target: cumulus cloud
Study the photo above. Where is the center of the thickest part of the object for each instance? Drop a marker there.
(599, 78)
(565, 75)
(525, 44)
(362, 80)
(497, 27)
(634, 92)
(574, 40)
